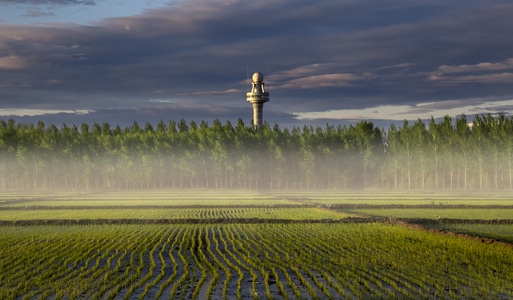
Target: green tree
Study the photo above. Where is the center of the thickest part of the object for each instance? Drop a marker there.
(393, 149)
(449, 140)
(406, 140)
(464, 136)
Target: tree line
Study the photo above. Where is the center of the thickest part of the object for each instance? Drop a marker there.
(446, 154)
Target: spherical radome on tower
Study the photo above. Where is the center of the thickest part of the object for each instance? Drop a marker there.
(258, 77)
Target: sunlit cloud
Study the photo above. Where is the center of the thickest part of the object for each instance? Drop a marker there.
(315, 76)
(206, 93)
(413, 112)
(485, 72)
(307, 70)
(491, 78)
(53, 81)
(12, 62)
(39, 112)
(326, 80)
(165, 100)
(484, 66)
(398, 66)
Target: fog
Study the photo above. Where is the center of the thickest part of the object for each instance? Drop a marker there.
(445, 155)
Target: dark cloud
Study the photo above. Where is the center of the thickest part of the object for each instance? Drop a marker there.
(50, 2)
(321, 56)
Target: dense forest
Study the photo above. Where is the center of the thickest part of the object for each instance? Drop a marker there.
(449, 154)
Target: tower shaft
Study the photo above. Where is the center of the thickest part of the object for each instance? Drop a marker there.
(258, 108)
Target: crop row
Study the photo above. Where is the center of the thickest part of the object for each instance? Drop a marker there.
(144, 202)
(248, 261)
(134, 198)
(224, 198)
(172, 213)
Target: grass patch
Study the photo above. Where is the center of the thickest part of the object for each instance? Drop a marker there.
(327, 198)
(444, 213)
(497, 231)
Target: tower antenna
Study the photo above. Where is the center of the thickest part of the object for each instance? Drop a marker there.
(247, 76)
(267, 74)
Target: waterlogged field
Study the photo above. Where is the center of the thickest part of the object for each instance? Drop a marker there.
(249, 261)
(281, 246)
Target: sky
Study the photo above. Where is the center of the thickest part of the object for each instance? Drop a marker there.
(324, 62)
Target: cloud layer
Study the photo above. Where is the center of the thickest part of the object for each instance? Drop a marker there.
(317, 57)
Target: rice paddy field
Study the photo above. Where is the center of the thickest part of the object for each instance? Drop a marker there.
(241, 245)
(142, 199)
(439, 213)
(293, 213)
(333, 198)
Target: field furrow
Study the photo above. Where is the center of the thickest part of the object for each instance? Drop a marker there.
(173, 264)
(158, 267)
(236, 255)
(182, 263)
(197, 275)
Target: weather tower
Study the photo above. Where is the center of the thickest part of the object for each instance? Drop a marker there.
(257, 97)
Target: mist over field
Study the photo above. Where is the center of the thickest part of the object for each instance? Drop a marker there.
(446, 155)
(102, 211)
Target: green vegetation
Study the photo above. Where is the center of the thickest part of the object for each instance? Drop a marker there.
(391, 198)
(437, 213)
(495, 231)
(272, 258)
(445, 155)
(172, 213)
(255, 260)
